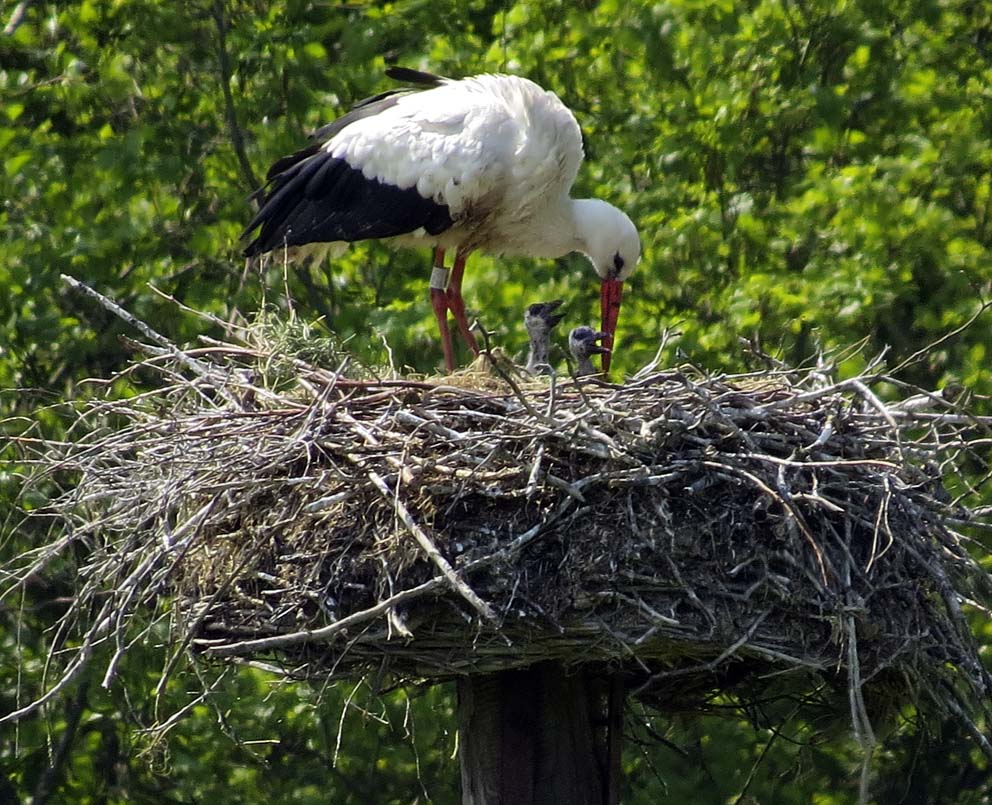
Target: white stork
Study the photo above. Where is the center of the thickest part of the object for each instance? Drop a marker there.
(582, 344)
(481, 163)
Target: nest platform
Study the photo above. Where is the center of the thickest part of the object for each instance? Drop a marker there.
(693, 531)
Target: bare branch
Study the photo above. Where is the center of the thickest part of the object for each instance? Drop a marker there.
(230, 113)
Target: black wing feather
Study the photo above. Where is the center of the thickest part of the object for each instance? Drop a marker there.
(410, 76)
(313, 197)
(323, 199)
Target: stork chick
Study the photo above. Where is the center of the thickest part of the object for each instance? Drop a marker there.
(540, 319)
(582, 343)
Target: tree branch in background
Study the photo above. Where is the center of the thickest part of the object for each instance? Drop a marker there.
(929, 348)
(234, 130)
(16, 17)
(50, 779)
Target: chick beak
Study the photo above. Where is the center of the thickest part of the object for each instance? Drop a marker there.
(610, 297)
(546, 311)
(599, 349)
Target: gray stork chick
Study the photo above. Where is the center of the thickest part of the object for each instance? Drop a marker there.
(540, 319)
(582, 342)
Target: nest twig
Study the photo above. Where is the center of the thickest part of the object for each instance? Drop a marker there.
(691, 529)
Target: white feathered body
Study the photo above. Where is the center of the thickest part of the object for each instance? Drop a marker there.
(500, 152)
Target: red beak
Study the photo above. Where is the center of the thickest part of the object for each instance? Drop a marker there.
(609, 299)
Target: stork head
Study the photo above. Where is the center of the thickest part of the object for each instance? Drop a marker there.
(610, 241)
(540, 318)
(582, 342)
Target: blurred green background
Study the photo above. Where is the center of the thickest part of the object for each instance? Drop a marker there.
(806, 174)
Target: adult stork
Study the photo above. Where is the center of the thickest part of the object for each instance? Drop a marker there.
(480, 163)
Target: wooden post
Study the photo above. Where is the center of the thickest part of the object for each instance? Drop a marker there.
(539, 736)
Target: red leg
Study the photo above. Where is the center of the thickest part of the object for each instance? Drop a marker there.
(457, 305)
(439, 301)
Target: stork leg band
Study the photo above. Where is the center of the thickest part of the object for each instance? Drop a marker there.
(439, 278)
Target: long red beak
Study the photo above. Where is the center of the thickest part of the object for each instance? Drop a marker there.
(611, 294)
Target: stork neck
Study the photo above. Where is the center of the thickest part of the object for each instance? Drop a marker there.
(584, 366)
(538, 353)
(558, 228)
(587, 216)
(571, 225)
(551, 231)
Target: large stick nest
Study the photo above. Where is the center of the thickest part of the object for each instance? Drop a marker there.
(692, 529)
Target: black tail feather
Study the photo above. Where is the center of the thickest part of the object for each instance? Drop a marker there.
(410, 76)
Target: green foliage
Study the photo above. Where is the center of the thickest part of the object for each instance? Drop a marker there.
(254, 739)
(808, 173)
